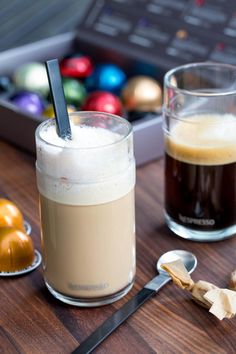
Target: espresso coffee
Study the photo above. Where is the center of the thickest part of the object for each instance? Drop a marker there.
(86, 188)
(200, 172)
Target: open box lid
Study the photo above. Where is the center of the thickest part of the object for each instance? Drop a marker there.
(162, 33)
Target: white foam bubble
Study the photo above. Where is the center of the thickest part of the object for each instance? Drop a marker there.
(82, 136)
(75, 172)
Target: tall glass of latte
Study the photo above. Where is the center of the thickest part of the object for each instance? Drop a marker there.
(86, 188)
(200, 151)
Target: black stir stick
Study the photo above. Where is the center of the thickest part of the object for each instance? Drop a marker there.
(58, 99)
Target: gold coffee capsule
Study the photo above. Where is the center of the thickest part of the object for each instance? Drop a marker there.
(142, 93)
(49, 111)
(16, 250)
(10, 215)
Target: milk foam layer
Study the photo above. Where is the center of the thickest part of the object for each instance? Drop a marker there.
(96, 166)
(203, 139)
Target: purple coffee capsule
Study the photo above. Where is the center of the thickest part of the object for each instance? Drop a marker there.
(28, 101)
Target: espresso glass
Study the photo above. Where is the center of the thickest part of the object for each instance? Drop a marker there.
(200, 151)
(86, 189)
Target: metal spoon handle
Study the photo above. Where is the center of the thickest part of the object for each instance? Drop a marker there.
(121, 315)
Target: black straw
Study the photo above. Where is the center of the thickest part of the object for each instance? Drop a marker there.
(58, 99)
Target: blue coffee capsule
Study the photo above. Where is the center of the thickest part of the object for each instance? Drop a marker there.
(106, 77)
(6, 86)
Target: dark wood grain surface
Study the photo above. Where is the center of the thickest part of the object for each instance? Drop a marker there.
(32, 321)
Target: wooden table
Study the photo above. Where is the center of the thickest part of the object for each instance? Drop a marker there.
(32, 321)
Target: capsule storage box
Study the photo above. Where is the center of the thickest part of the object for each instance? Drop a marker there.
(142, 37)
(18, 127)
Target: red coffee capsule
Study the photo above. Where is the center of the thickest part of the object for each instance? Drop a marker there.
(79, 66)
(103, 101)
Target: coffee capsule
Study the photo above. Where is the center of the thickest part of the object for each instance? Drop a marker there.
(28, 101)
(76, 66)
(103, 102)
(16, 249)
(6, 86)
(142, 93)
(10, 215)
(106, 77)
(32, 77)
(74, 91)
(49, 110)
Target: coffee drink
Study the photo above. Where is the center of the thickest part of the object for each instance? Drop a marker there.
(87, 213)
(200, 172)
(89, 250)
(199, 114)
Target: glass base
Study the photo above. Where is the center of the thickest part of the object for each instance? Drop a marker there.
(90, 302)
(200, 236)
